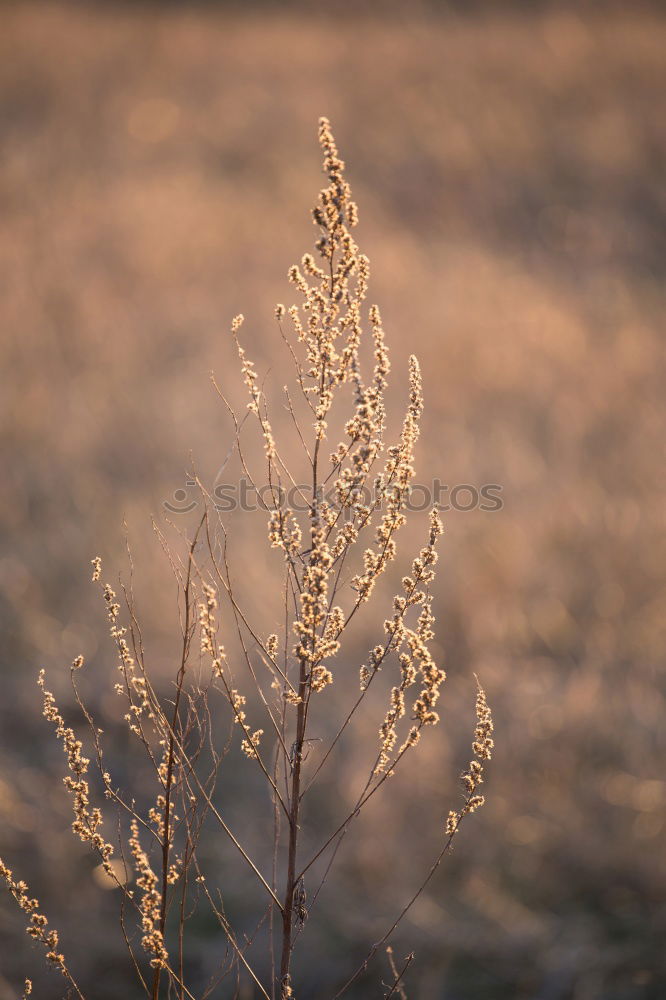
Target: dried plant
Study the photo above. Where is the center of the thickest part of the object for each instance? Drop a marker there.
(154, 860)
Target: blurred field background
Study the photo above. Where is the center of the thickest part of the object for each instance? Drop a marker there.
(158, 163)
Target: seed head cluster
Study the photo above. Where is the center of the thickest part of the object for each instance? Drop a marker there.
(208, 629)
(135, 684)
(37, 923)
(87, 820)
(329, 326)
(414, 655)
(150, 901)
(473, 777)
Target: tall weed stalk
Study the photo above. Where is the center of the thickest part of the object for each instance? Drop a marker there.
(334, 544)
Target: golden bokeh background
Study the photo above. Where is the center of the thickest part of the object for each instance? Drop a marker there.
(158, 165)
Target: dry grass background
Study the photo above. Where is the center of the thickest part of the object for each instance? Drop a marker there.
(157, 167)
